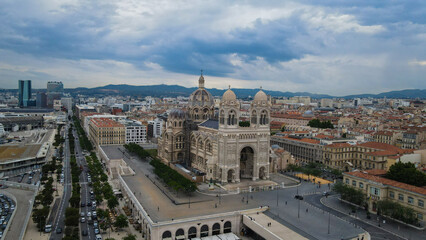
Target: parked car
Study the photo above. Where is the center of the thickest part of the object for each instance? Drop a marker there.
(58, 230)
(84, 232)
(298, 197)
(82, 220)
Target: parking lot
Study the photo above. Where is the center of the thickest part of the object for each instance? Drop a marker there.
(17, 223)
(7, 207)
(32, 177)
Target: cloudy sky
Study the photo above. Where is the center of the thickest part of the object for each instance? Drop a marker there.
(331, 46)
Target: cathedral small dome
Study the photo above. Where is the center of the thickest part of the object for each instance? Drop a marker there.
(177, 113)
(261, 96)
(229, 95)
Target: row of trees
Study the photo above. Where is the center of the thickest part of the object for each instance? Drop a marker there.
(84, 141)
(101, 187)
(44, 198)
(397, 211)
(58, 139)
(316, 123)
(138, 150)
(350, 194)
(172, 178)
(72, 215)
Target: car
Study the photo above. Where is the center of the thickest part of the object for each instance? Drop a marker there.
(89, 204)
(98, 237)
(89, 214)
(82, 214)
(325, 193)
(97, 231)
(92, 197)
(82, 220)
(58, 230)
(298, 197)
(91, 192)
(29, 181)
(94, 203)
(93, 208)
(95, 224)
(84, 232)
(82, 204)
(94, 214)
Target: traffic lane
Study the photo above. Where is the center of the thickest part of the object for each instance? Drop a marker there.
(66, 195)
(375, 232)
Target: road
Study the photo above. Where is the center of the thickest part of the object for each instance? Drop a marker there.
(374, 231)
(85, 189)
(59, 220)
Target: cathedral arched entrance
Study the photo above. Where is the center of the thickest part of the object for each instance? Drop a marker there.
(246, 163)
(262, 173)
(230, 176)
(180, 156)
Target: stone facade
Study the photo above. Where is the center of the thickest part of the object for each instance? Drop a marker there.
(224, 148)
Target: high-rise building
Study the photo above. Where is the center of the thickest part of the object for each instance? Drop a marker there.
(24, 92)
(54, 92)
(41, 101)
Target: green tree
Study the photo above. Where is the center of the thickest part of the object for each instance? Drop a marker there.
(39, 217)
(129, 237)
(112, 202)
(406, 173)
(72, 216)
(121, 221)
(397, 211)
(350, 194)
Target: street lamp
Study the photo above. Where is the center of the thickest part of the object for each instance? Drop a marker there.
(277, 195)
(328, 223)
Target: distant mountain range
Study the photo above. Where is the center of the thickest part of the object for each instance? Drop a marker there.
(176, 90)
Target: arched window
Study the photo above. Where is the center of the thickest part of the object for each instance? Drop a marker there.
(204, 232)
(264, 117)
(192, 232)
(232, 119)
(216, 229)
(254, 117)
(208, 147)
(222, 117)
(180, 234)
(227, 227)
(167, 235)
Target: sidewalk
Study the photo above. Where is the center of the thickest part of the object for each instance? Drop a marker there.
(389, 225)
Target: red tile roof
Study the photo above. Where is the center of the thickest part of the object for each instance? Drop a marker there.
(385, 181)
(106, 122)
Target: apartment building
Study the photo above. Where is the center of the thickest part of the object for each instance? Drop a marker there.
(369, 155)
(377, 188)
(303, 149)
(105, 131)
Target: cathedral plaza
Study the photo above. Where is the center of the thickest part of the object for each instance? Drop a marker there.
(163, 214)
(228, 156)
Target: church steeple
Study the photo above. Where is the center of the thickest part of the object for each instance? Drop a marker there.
(201, 80)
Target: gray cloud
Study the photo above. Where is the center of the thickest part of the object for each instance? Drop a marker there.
(329, 47)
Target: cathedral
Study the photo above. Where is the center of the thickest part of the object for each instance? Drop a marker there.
(215, 142)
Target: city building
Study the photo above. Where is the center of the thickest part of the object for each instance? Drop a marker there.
(105, 131)
(157, 127)
(67, 103)
(135, 131)
(41, 100)
(17, 123)
(378, 188)
(303, 149)
(83, 108)
(225, 149)
(55, 91)
(24, 93)
(369, 155)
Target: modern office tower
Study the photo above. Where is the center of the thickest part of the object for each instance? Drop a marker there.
(54, 92)
(41, 101)
(24, 92)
